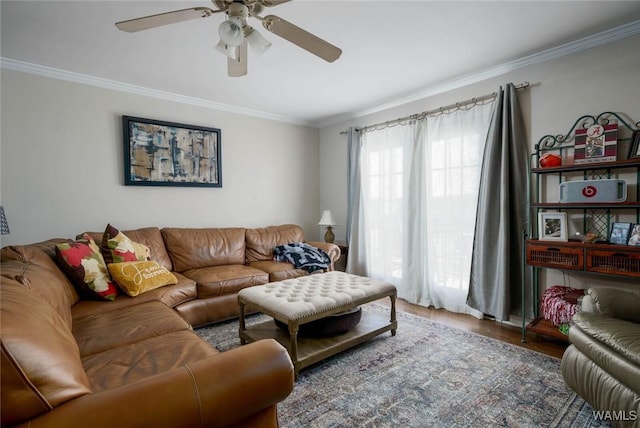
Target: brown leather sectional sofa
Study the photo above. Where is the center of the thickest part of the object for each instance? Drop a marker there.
(136, 361)
(213, 264)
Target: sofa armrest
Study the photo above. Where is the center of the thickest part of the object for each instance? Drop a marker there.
(331, 249)
(222, 390)
(615, 303)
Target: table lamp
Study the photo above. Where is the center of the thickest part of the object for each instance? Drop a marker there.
(327, 220)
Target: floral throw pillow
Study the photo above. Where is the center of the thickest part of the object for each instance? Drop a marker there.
(118, 247)
(84, 265)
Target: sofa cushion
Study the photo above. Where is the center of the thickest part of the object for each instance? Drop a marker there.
(41, 366)
(21, 252)
(278, 271)
(97, 333)
(170, 295)
(145, 358)
(198, 248)
(138, 277)
(220, 280)
(117, 247)
(261, 241)
(33, 267)
(173, 295)
(84, 265)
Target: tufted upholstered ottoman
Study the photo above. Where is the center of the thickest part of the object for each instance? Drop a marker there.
(306, 299)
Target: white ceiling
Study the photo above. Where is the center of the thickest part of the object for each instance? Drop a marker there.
(391, 49)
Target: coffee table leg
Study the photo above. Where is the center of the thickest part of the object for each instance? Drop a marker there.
(394, 322)
(293, 345)
(242, 323)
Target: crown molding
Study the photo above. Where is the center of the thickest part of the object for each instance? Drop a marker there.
(56, 73)
(598, 39)
(601, 38)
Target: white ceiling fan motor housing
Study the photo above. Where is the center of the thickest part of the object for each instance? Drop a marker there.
(239, 10)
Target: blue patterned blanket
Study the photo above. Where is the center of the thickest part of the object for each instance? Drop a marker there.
(302, 256)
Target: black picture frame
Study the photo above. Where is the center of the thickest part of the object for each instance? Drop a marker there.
(619, 233)
(160, 153)
(634, 236)
(634, 145)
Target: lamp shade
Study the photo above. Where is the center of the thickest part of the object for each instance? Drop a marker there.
(230, 31)
(258, 43)
(230, 51)
(4, 226)
(327, 219)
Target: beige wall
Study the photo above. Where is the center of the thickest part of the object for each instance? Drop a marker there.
(62, 165)
(61, 150)
(605, 78)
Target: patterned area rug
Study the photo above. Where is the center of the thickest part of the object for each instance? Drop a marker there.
(428, 375)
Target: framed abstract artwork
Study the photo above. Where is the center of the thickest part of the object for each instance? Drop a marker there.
(158, 153)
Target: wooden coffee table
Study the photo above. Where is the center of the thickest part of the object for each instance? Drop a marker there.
(302, 300)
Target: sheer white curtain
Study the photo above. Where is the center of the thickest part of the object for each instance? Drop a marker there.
(419, 190)
(384, 181)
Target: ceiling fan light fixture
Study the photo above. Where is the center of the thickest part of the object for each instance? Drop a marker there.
(230, 31)
(235, 29)
(257, 42)
(230, 51)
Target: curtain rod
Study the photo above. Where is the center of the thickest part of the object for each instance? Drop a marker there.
(437, 111)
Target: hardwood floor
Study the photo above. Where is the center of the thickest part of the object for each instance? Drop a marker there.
(486, 327)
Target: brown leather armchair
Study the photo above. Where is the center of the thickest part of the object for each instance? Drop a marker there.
(603, 362)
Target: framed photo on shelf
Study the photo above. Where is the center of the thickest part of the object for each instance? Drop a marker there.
(634, 236)
(552, 226)
(158, 153)
(634, 147)
(619, 233)
(595, 144)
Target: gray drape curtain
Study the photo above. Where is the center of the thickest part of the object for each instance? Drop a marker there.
(356, 256)
(497, 262)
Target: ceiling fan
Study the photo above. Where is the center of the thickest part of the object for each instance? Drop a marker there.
(235, 33)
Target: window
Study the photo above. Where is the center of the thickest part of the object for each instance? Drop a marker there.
(420, 188)
(453, 167)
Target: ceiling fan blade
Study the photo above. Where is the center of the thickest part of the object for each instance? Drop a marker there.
(302, 38)
(238, 67)
(167, 18)
(222, 4)
(271, 3)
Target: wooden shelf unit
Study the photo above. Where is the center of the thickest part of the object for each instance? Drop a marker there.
(603, 258)
(599, 258)
(619, 164)
(546, 328)
(580, 206)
